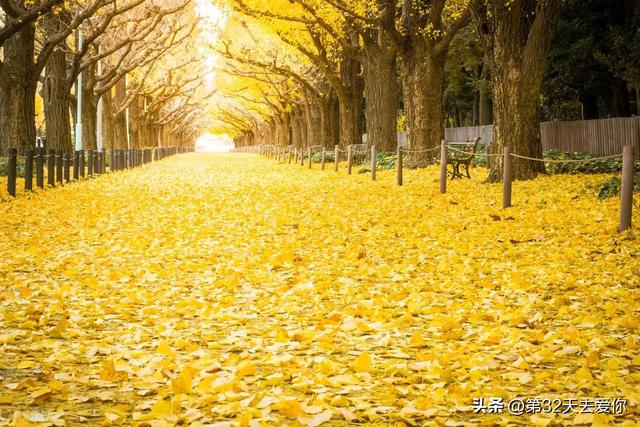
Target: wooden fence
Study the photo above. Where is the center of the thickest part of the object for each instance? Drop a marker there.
(604, 137)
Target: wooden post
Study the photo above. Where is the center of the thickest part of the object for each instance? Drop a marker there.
(28, 171)
(310, 159)
(99, 162)
(373, 163)
(40, 168)
(506, 179)
(336, 158)
(349, 160)
(443, 166)
(51, 168)
(399, 166)
(12, 171)
(59, 167)
(301, 156)
(626, 188)
(65, 161)
(323, 158)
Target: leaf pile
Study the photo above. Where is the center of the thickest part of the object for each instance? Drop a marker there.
(230, 290)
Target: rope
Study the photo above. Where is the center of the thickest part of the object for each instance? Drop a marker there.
(474, 154)
(566, 161)
(406, 150)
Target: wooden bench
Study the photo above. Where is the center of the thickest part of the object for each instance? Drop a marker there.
(359, 153)
(462, 156)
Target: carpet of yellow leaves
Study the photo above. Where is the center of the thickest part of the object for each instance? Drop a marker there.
(232, 290)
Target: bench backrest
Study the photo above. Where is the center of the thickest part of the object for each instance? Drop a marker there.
(469, 147)
(359, 148)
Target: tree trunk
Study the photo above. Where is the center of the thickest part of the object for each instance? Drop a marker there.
(637, 88)
(332, 120)
(89, 118)
(350, 102)
(107, 121)
(18, 84)
(517, 47)
(423, 89)
(56, 99)
(381, 95)
(620, 97)
(590, 109)
(119, 122)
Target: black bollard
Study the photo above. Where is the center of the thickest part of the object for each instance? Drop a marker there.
(90, 162)
(59, 166)
(65, 161)
(12, 171)
(51, 168)
(81, 163)
(28, 171)
(76, 165)
(40, 167)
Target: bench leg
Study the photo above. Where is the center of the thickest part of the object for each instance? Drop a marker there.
(467, 169)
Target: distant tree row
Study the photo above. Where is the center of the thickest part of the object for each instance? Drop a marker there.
(134, 73)
(322, 72)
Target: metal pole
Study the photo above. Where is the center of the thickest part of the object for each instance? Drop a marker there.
(99, 138)
(79, 97)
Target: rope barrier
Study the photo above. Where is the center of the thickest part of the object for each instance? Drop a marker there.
(474, 154)
(406, 150)
(567, 160)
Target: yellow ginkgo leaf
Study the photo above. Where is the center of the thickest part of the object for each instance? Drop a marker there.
(362, 363)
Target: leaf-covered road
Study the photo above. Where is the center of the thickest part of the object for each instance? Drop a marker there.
(232, 290)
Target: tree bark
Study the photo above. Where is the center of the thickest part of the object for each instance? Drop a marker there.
(423, 90)
(380, 92)
(517, 47)
(56, 99)
(350, 102)
(18, 85)
(332, 120)
(119, 122)
(89, 117)
(637, 90)
(590, 109)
